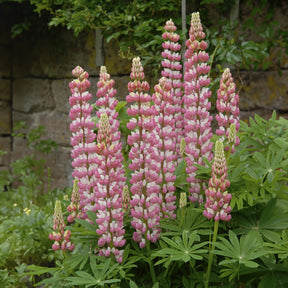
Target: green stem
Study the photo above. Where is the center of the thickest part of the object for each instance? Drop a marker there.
(212, 58)
(183, 213)
(151, 265)
(210, 259)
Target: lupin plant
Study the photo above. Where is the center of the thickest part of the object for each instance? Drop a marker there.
(82, 141)
(196, 104)
(60, 236)
(108, 192)
(172, 72)
(145, 202)
(217, 198)
(165, 129)
(228, 107)
(109, 173)
(166, 135)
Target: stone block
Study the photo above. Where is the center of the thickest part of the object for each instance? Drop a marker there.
(61, 169)
(56, 124)
(61, 93)
(59, 162)
(5, 145)
(5, 117)
(5, 63)
(264, 113)
(19, 149)
(264, 90)
(32, 95)
(114, 63)
(54, 55)
(121, 83)
(5, 89)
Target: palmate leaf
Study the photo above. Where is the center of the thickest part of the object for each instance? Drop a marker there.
(180, 249)
(244, 251)
(272, 218)
(88, 282)
(38, 270)
(275, 274)
(180, 174)
(86, 224)
(79, 260)
(280, 247)
(120, 105)
(234, 270)
(188, 219)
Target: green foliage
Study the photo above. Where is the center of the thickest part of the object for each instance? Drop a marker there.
(135, 27)
(24, 225)
(29, 173)
(180, 249)
(250, 247)
(24, 240)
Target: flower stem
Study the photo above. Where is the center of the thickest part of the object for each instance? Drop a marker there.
(151, 265)
(183, 214)
(210, 259)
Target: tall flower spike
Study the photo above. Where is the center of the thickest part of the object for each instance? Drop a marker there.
(217, 197)
(110, 172)
(196, 103)
(83, 151)
(228, 107)
(145, 202)
(172, 71)
(165, 133)
(60, 237)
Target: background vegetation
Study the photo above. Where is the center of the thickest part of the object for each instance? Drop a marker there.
(243, 40)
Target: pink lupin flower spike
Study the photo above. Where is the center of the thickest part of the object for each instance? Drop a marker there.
(217, 197)
(165, 133)
(197, 120)
(108, 192)
(172, 71)
(110, 173)
(83, 151)
(145, 202)
(228, 107)
(60, 237)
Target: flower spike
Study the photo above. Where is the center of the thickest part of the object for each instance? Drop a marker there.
(145, 202)
(196, 103)
(83, 136)
(110, 178)
(217, 197)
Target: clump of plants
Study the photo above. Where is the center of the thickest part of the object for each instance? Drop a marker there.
(181, 206)
(24, 218)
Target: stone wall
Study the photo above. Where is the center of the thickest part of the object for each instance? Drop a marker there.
(34, 88)
(34, 78)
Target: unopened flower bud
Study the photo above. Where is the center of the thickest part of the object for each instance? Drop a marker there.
(182, 147)
(126, 198)
(183, 200)
(232, 134)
